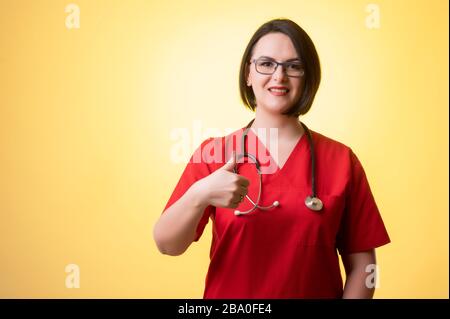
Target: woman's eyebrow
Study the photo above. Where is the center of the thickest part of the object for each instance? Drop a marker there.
(270, 58)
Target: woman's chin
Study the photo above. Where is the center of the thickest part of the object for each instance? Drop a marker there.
(277, 108)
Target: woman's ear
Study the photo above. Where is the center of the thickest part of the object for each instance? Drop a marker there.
(247, 75)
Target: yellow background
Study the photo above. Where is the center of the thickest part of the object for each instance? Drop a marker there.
(86, 117)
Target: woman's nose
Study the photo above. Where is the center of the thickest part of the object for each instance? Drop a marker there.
(280, 73)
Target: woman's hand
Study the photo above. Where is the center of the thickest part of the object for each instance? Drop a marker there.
(223, 188)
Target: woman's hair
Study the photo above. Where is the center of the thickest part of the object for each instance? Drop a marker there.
(308, 55)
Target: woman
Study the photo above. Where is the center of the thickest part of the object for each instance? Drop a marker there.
(285, 249)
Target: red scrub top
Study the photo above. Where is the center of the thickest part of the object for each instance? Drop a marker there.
(289, 251)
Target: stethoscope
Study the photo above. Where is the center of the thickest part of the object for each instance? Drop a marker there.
(312, 201)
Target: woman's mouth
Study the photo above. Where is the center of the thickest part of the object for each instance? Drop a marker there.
(278, 91)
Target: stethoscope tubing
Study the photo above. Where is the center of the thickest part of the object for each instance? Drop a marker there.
(312, 201)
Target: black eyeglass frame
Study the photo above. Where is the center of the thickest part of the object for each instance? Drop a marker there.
(283, 64)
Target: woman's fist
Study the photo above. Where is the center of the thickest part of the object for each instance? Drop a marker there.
(224, 188)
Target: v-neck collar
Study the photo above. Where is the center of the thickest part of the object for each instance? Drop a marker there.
(301, 140)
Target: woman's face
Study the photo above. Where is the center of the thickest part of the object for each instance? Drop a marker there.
(278, 47)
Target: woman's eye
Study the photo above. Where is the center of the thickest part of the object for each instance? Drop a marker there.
(295, 66)
(266, 64)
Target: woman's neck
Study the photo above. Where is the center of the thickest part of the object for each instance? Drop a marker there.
(288, 127)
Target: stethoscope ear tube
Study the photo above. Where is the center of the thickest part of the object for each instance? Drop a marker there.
(312, 201)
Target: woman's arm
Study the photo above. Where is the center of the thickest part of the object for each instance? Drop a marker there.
(356, 284)
(176, 228)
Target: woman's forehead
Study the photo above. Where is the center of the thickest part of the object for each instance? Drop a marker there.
(275, 45)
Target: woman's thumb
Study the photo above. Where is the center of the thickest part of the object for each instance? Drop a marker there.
(229, 166)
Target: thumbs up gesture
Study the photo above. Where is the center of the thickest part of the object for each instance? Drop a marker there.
(224, 188)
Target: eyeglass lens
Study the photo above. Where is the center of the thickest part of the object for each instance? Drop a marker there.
(268, 67)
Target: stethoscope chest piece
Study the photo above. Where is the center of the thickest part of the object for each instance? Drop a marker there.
(313, 203)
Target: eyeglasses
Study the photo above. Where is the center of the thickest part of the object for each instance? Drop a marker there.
(267, 66)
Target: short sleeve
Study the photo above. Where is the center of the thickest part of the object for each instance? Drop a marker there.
(361, 227)
(195, 170)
